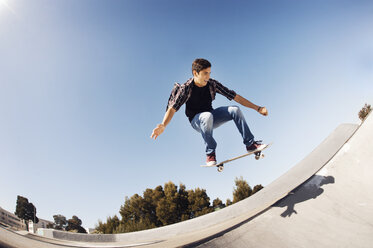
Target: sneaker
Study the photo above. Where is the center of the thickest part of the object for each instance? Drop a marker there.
(211, 159)
(256, 146)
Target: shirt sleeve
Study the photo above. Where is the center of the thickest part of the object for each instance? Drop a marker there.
(221, 89)
(179, 98)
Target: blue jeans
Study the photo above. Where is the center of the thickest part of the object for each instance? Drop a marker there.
(206, 122)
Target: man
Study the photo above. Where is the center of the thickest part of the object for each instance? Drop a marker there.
(198, 93)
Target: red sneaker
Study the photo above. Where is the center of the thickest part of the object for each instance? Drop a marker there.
(211, 159)
(255, 147)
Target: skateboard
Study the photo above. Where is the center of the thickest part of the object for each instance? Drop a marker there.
(258, 155)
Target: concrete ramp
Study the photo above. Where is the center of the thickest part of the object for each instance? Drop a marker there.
(334, 208)
(325, 200)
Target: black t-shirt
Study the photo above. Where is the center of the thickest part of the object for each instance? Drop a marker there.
(200, 101)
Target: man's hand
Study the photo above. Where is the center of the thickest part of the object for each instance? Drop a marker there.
(166, 120)
(263, 111)
(157, 131)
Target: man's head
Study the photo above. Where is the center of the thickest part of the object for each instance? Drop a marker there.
(200, 64)
(201, 69)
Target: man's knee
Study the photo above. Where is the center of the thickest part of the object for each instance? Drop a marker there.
(206, 119)
(234, 110)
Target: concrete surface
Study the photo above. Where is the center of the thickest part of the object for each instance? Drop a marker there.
(331, 207)
(334, 208)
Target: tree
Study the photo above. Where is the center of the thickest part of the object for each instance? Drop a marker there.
(75, 225)
(133, 214)
(60, 222)
(183, 203)
(199, 202)
(174, 206)
(257, 188)
(158, 207)
(363, 113)
(217, 204)
(151, 199)
(111, 225)
(26, 210)
(167, 206)
(242, 190)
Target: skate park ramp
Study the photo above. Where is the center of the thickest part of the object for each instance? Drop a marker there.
(325, 200)
(334, 208)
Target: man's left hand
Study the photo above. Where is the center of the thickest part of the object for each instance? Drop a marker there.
(263, 111)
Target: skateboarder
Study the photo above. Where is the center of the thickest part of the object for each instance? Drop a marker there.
(198, 93)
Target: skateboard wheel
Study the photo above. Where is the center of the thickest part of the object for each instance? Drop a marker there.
(220, 168)
(258, 155)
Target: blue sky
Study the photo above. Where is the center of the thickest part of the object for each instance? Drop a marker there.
(83, 83)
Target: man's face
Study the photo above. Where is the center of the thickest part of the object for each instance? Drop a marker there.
(202, 77)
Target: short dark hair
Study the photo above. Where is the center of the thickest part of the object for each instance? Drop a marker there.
(200, 64)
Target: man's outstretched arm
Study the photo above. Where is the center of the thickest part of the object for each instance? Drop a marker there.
(244, 102)
(166, 120)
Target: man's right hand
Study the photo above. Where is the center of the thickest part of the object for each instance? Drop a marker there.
(157, 131)
(166, 120)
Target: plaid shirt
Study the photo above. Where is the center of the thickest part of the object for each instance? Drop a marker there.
(180, 94)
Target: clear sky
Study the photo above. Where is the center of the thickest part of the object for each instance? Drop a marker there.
(83, 84)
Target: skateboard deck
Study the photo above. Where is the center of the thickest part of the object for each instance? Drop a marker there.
(258, 155)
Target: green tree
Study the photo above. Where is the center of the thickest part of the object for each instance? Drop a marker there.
(183, 203)
(133, 214)
(257, 188)
(228, 202)
(111, 225)
(101, 228)
(242, 190)
(75, 225)
(217, 204)
(151, 199)
(167, 208)
(199, 202)
(363, 113)
(158, 207)
(26, 210)
(60, 222)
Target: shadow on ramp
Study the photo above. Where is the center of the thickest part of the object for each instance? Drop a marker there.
(310, 190)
